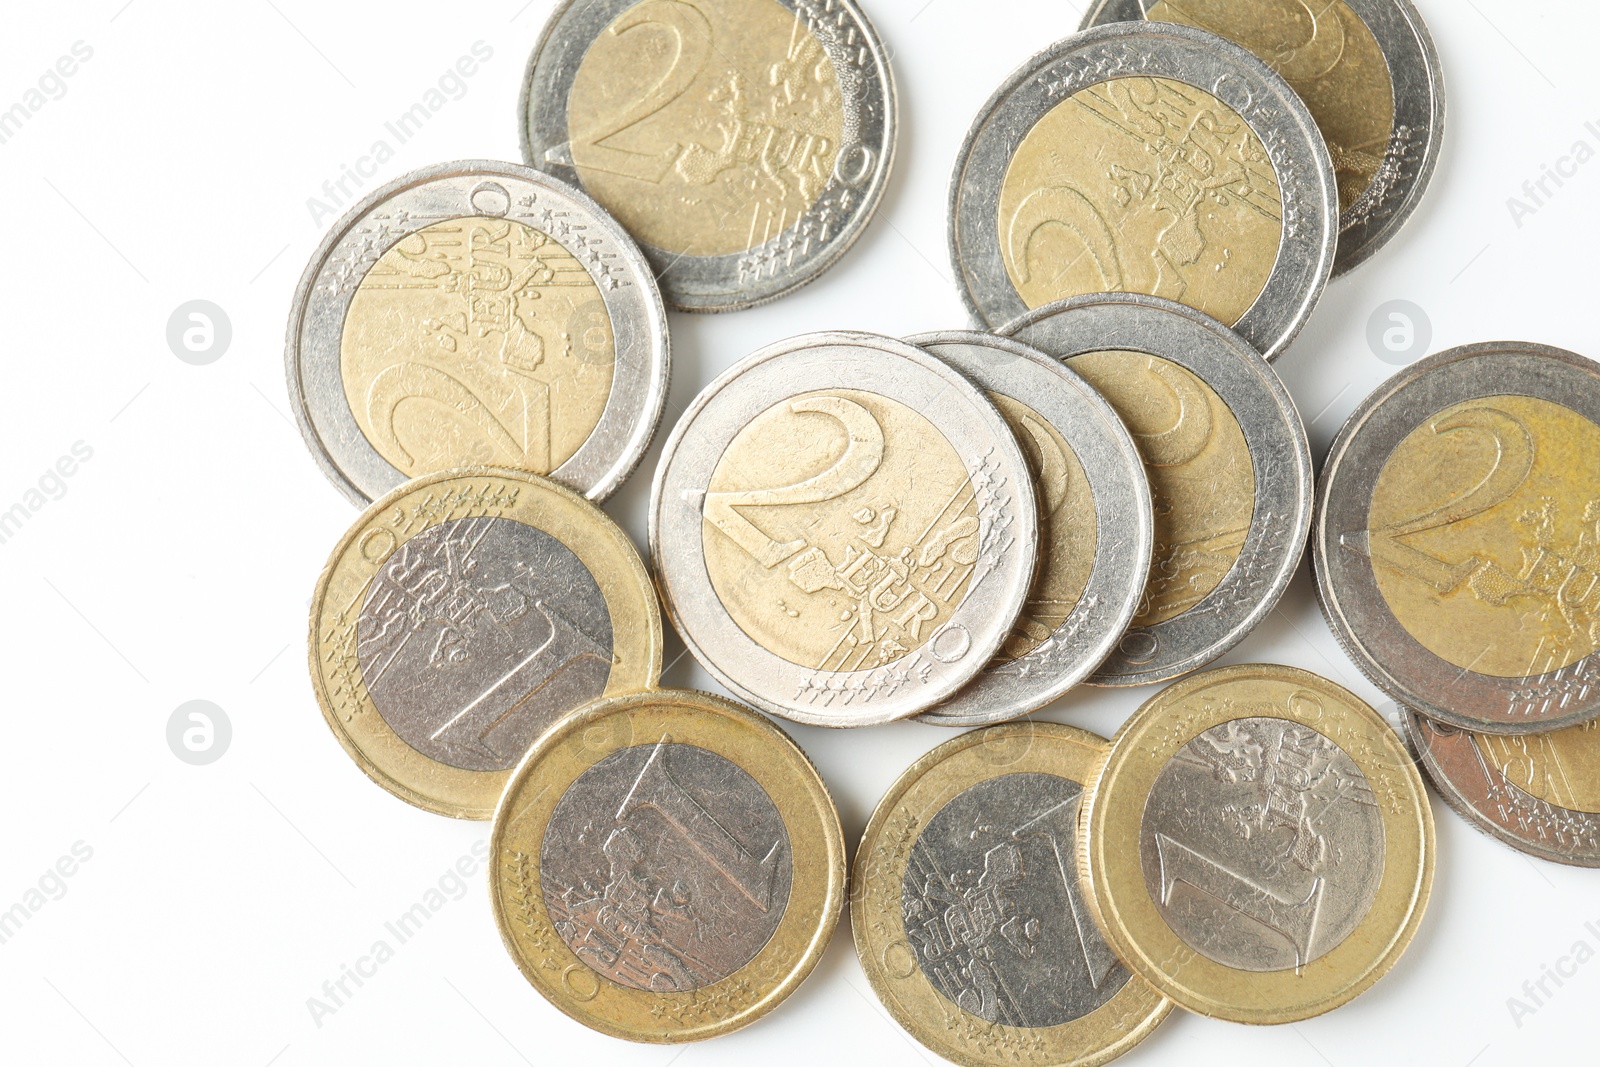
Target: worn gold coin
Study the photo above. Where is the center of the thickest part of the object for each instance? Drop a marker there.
(667, 866)
(967, 911)
(1258, 844)
(461, 616)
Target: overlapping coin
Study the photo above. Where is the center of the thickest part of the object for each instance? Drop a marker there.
(462, 615)
(477, 313)
(744, 143)
(666, 866)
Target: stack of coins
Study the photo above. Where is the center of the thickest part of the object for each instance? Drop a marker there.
(1107, 484)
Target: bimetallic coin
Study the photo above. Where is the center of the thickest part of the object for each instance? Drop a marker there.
(477, 313)
(1095, 527)
(744, 143)
(1284, 849)
(1370, 75)
(1228, 464)
(1457, 543)
(666, 866)
(844, 529)
(461, 616)
(1149, 158)
(967, 911)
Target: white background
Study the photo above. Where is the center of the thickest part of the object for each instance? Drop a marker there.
(179, 562)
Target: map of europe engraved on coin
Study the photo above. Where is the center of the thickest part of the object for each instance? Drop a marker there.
(993, 910)
(1262, 844)
(666, 867)
(477, 634)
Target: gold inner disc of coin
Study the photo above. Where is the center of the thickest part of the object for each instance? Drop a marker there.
(1484, 535)
(1202, 480)
(1560, 768)
(477, 341)
(1142, 185)
(1068, 528)
(706, 128)
(1330, 57)
(841, 530)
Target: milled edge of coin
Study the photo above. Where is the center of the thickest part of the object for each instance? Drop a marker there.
(1155, 733)
(1419, 107)
(1306, 181)
(1426, 737)
(821, 878)
(642, 344)
(445, 778)
(879, 871)
(543, 103)
(1576, 687)
(868, 371)
(1111, 462)
(1274, 433)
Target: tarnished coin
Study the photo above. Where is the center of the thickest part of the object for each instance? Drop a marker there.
(967, 911)
(844, 529)
(744, 143)
(1228, 463)
(461, 616)
(1095, 527)
(1538, 793)
(1151, 158)
(1457, 543)
(477, 313)
(1258, 844)
(666, 866)
(1368, 72)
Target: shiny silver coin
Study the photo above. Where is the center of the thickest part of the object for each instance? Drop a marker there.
(1228, 464)
(844, 529)
(1369, 73)
(744, 145)
(1153, 158)
(1457, 541)
(477, 313)
(1095, 532)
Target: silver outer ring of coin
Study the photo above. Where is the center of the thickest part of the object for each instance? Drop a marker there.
(1581, 829)
(1347, 589)
(1280, 457)
(975, 429)
(1162, 50)
(814, 242)
(458, 190)
(1123, 540)
(1419, 121)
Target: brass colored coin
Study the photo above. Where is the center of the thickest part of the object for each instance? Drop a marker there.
(967, 911)
(461, 616)
(666, 866)
(1258, 844)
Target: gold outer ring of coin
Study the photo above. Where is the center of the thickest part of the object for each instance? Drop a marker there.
(878, 924)
(762, 750)
(390, 522)
(1114, 884)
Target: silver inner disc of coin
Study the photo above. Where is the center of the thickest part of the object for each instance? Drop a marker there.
(476, 635)
(666, 867)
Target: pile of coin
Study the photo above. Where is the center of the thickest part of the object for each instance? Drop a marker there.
(1108, 485)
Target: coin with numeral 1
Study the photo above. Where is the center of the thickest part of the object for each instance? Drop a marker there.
(1096, 527)
(1228, 464)
(666, 866)
(744, 143)
(1369, 73)
(1457, 541)
(461, 616)
(1258, 844)
(967, 911)
(477, 313)
(1147, 157)
(844, 529)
